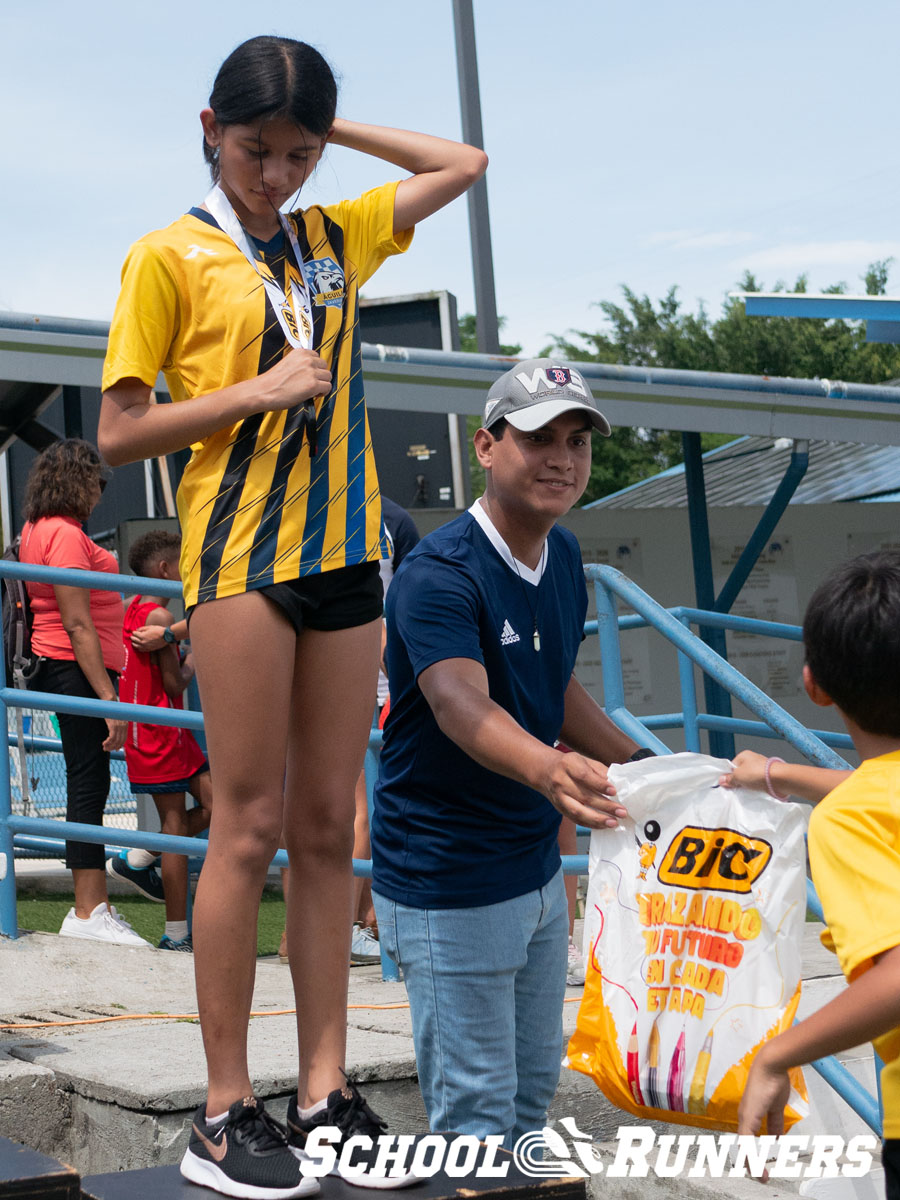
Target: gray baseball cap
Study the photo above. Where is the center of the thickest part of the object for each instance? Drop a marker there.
(536, 391)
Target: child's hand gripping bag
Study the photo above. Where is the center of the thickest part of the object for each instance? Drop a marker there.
(693, 933)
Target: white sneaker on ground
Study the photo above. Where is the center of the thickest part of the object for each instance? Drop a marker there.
(575, 969)
(364, 948)
(103, 925)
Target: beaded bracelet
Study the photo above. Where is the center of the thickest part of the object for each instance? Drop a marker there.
(769, 788)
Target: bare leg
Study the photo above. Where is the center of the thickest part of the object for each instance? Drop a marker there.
(198, 819)
(90, 890)
(362, 847)
(244, 649)
(331, 714)
(173, 867)
(365, 913)
(568, 844)
(285, 885)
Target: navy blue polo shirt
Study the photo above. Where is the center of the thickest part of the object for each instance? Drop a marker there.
(447, 832)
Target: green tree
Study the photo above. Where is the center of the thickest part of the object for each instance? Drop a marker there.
(468, 340)
(641, 333)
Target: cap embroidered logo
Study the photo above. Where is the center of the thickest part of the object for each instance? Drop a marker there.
(546, 379)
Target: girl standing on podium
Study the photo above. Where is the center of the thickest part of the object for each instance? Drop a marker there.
(252, 315)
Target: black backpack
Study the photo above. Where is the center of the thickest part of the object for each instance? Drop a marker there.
(20, 660)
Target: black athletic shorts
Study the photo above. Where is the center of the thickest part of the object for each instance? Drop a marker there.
(171, 788)
(329, 600)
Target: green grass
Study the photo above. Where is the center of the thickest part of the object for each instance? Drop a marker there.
(44, 913)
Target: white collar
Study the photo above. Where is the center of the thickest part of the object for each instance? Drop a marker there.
(528, 574)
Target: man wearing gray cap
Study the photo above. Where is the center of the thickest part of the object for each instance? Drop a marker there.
(484, 618)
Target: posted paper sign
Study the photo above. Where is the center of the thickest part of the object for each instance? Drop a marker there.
(693, 932)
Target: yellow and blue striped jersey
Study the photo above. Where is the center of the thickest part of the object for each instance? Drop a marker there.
(254, 507)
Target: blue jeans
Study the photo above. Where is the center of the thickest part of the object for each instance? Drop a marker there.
(485, 989)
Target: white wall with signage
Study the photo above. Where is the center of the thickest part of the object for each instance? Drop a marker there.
(652, 547)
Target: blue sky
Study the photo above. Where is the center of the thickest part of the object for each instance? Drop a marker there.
(643, 142)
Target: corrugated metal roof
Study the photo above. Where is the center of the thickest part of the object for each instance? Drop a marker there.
(748, 470)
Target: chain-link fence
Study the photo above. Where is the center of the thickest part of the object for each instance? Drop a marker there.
(45, 791)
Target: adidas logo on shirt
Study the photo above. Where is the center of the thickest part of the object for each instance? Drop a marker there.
(508, 635)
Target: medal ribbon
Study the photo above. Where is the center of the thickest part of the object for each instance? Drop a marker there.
(294, 312)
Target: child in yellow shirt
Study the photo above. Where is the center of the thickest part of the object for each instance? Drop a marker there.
(851, 634)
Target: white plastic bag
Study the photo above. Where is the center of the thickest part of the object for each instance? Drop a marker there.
(693, 933)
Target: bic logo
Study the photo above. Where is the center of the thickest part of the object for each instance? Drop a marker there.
(721, 860)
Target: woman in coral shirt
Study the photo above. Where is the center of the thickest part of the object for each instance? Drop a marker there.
(78, 633)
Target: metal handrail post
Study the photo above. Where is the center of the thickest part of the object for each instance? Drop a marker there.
(718, 700)
(774, 511)
(389, 969)
(725, 674)
(575, 864)
(82, 706)
(610, 651)
(850, 1090)
(688, 699)
(774, 629)
(9, 922)
(879, 1067)
(761, 729)
(611, 670)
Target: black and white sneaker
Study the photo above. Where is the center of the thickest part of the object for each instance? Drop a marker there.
(146, 880)
(246, 1156)
(346, 1109)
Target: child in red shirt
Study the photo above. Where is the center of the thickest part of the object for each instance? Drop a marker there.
(163, 760)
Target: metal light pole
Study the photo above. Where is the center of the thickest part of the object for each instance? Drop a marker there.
(486, 328)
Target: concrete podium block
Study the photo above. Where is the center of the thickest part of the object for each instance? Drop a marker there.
(28, 1175)
(166, 1183)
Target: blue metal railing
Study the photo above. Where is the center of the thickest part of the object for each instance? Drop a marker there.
(609, 585)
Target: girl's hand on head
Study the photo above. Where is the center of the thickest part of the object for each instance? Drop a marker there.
(301, 375)
(749, 772)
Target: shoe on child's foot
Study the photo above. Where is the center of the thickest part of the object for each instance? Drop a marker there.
(146, 880)
(245, 1155)
(575, 969)
(346, 1109)
(363, 947)
(103, 925)
(185, 944)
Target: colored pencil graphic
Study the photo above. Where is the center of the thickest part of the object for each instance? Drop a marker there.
(633, 1066)
(675, 1088)
(653, 1097)
(697, 1094)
